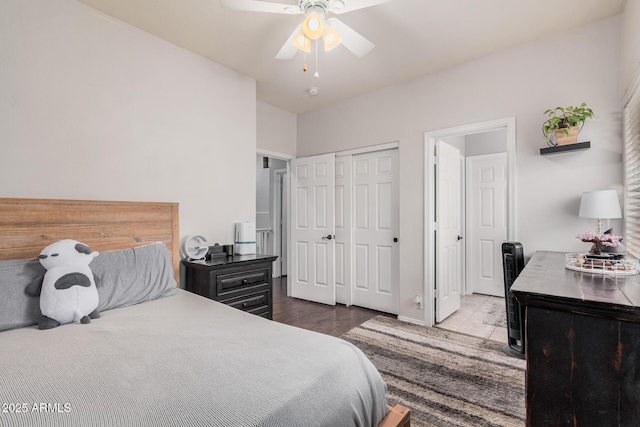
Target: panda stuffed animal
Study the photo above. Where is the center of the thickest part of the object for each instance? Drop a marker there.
(68, 291)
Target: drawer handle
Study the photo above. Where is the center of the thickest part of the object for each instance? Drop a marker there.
(244, 305)
(245, 281)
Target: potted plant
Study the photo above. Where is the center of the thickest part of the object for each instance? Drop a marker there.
(565, 123)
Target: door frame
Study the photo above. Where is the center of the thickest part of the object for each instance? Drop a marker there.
(287, 208)
(279, 205)
(430, 137)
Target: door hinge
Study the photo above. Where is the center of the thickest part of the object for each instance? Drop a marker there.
(435, 160)
(435, 226)
(436, 294)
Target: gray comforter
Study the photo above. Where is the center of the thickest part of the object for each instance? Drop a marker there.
(184, 360)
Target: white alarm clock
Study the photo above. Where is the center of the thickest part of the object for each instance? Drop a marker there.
(194, 247)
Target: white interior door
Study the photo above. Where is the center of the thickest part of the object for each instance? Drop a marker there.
(313, 228)
(486, 222)
(343, 229)
(375, 231)
(448, 233)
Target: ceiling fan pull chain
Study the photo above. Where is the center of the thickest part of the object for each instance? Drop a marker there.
(316, 75)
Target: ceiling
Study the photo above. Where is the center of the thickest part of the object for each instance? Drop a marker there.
(412, 37)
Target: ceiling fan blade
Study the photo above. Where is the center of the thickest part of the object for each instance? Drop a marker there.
(352, 40)
(260, 6)
(288, 50)
(344, 6)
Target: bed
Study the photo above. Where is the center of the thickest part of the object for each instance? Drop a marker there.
(160, 355)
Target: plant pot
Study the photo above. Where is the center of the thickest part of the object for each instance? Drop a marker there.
(563, 138)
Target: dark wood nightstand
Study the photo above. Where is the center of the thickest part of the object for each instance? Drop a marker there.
(241, 281)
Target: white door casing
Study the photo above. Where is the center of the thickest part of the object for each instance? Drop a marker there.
(280, 223)
(486, 222)
(312, 225)
(448, 233)
(375, 256)
(343, 229)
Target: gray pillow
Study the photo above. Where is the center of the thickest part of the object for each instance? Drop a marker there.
(123, 277)
(18, 309)
(131, 276)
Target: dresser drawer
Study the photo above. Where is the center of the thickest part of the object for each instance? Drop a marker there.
(253, 303)
(229, 284)
(242, 281)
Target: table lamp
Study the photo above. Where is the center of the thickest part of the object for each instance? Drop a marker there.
(602, 204)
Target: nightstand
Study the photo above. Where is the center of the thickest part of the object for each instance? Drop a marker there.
(242, 281)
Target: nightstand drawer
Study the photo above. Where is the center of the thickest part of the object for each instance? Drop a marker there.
(253, 303)
(231, 283)
(242, 281)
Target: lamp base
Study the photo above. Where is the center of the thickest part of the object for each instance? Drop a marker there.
(599, 225)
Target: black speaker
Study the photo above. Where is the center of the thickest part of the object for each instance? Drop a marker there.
(512, 265)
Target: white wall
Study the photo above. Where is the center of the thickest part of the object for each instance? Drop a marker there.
(276, 129)
(460, 142)
(92, 108)
(582, 64)
(486, 142)
(475, 144)
(630, 43)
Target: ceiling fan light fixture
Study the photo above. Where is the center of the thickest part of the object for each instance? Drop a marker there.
(302, 42)
(312, 26)
(331, 39)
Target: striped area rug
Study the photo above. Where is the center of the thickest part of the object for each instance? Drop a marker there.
(445, 378)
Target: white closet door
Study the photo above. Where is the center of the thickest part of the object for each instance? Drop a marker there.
(448, 233)
(375, 231)
(343, 229)
(486, 222)
(313, 228)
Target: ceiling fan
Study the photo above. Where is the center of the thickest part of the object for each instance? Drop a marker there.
(315, 25)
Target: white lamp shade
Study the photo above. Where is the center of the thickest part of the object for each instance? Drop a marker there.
(600, 204)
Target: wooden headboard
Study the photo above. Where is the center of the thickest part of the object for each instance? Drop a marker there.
(28, 225)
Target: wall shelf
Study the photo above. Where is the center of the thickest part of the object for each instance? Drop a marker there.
(565, 148)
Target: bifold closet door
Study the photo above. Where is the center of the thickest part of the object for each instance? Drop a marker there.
(375, 248)
(313, 228)
(343, 229)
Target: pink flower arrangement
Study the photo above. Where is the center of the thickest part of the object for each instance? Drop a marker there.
(611, 240)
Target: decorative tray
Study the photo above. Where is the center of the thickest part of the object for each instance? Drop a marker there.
(611, 266)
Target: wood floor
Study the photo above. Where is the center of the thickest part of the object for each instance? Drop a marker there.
(327, 319)
(338, 319)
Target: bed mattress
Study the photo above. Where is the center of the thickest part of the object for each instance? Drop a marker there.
(185, 360)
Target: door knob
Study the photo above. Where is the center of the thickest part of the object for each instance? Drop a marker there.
(460, 237)
(327, 237)
(395, 239)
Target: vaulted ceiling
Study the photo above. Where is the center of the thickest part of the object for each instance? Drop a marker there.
(412, 37)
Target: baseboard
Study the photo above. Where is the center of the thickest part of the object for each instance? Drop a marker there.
(412, 320)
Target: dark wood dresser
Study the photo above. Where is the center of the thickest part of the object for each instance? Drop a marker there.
(241, 281)
(582, 345)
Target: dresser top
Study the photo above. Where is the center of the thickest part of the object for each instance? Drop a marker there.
(546, 283)
(236, 259)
